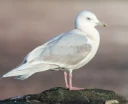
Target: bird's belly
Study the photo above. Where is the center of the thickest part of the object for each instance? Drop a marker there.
(87, 59)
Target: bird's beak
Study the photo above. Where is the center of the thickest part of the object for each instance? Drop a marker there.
(101, 24)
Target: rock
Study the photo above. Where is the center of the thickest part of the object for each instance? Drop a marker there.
(61, 95)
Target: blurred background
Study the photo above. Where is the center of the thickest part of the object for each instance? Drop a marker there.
(26, 24)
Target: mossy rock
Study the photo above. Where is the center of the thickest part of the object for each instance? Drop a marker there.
(61, 95)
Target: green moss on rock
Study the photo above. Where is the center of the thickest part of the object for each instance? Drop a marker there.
(61, 95)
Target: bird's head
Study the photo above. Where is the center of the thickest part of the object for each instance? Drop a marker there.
(87, 19)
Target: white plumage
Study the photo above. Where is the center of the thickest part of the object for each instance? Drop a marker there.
(66, 52)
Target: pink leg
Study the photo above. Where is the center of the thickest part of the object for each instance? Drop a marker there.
(65, 78)
(70, 84)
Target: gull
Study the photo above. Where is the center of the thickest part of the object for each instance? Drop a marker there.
(66, 52)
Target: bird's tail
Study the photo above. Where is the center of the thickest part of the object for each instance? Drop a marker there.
(26, 70)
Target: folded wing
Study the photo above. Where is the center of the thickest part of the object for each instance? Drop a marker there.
(69, 49)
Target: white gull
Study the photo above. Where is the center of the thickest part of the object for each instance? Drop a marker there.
(66, 52)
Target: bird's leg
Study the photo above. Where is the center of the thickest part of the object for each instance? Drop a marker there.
(66, 81)
(70, 83)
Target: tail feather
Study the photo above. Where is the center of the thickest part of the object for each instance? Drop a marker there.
(26, 70)
(22, 77)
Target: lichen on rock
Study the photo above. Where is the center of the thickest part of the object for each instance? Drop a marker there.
(61, 95)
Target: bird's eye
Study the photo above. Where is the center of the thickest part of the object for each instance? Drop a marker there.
(88, 18)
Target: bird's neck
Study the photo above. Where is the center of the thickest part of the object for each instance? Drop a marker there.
(90, 32)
